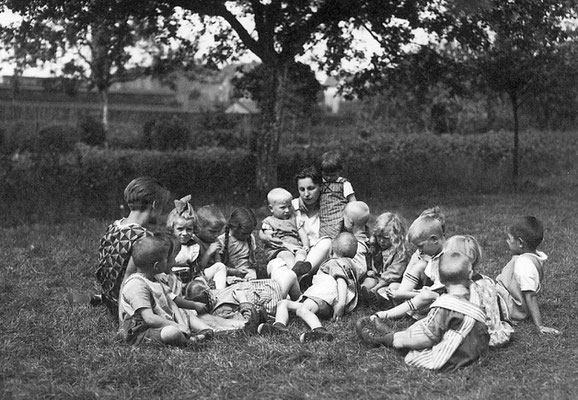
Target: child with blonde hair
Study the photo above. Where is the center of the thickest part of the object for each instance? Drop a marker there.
(210, 224)
(238, 245)
(281, 224)
(521, 279)
(388, 256)
(336, 192)
(181, 224)
(452, 335)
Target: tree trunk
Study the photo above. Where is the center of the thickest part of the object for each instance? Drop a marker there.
(104, 100)
(270, 132)
(516, 149)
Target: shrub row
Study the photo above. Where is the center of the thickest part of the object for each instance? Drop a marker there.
(385, 165)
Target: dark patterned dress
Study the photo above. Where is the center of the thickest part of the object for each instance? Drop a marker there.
(113, 255)
(331, 207)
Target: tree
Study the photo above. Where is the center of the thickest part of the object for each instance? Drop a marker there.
(522, 54)
(97, 37)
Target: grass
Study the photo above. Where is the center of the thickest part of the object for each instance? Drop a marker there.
(51, 350)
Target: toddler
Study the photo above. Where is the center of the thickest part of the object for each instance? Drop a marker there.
(145, 198)
(332, 294)
(210, 224)
(181, 225)
(520, 281)
(388, 256)
(336, 192)
(420, 284)
(281, 225)
(452, 335)
(238, 245)
(147, 311)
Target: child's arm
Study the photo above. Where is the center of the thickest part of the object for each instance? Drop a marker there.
(532, 304)
(210, 256)
(351, 198)
(348, 191)
(339, 307)
(267, 236)
(406, 289)
(155, 321)
(199, 307)
(304, 238)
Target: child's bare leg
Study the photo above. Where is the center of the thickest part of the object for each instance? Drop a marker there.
(369, 283)
(172, 335)
(283, 308)
(300, 255)
(222, 324)
(307, 312)
(251, 274)
(318, 254)
(287, 257)
(287, 280)
(422, 300)
(218, 273)
(197, 324)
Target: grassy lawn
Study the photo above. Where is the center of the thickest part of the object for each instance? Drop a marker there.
(51, 350)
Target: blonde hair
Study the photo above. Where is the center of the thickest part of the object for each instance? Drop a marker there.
(435, 212)
(467, 245)
(183, 210)
(455, 268)
(390, 222)
(278, 194)
(424, 227)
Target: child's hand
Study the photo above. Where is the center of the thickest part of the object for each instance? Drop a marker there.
(214, 247)
(370, 274)
(552, 331)
(338, 311)
(200, 308)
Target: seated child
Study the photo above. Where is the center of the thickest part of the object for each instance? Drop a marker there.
(452, 335)
(420, 284)
(181, 225)
(520, 281)
(238, 246)
(147, 312)
(145, 198)
(282, 225)
(332, 294)
(388, 256)
(336, 192)
(210, 224)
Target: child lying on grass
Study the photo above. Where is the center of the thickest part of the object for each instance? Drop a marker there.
(333, 293)
(452, 335)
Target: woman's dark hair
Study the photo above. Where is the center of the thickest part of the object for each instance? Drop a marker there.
(309, 172)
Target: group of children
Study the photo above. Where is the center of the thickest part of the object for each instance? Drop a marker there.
(160, 284)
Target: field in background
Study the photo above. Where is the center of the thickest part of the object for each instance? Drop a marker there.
(52, 350)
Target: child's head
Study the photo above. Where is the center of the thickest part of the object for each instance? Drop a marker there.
(144, 193)
(435, 212)
(427, 234)
(198, 290)
(181, 220)
(455, 269)
(210, 223)
(356, 213)
(279, 201)
(389, 231)
(344, 245)
(467, 245)
(150, 254)
(331, 165)
(525, 234)
(241, 223)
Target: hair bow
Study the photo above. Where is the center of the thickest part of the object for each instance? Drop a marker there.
(184, 207)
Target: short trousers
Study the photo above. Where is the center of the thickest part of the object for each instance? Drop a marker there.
(138, 334)
(324, 309)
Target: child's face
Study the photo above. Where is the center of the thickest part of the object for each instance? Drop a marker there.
(330, 176)
(241, 233)
(210, 232)
(383, 239)
(183, 230)
(514, 244)
(430, 247)
(281, 208)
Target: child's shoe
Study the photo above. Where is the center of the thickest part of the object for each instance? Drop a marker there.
(316, 335)
(301, 268)
(305, 281)
(369, 334)
(251, 315)
(275, 328)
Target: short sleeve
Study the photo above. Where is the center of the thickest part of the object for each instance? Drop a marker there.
(266, 226)
(137, 295)
(347, 189)
(527, 275)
